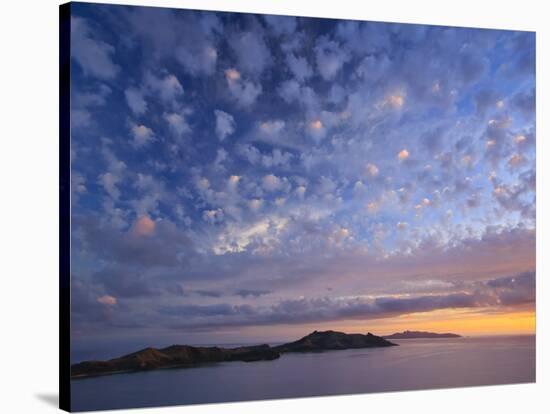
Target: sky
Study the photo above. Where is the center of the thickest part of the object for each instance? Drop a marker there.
(239, 178)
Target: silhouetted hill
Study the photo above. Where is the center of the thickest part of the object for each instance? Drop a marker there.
(332, 340)
(420, 334)
(176, 356)
(172, 357)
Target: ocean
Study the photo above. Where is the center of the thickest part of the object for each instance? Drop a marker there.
(414, 365)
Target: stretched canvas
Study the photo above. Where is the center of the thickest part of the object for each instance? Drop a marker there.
(260, 207)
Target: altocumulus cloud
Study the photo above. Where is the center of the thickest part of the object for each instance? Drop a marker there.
(281, 170)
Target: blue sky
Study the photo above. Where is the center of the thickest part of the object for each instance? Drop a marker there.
(238, 176)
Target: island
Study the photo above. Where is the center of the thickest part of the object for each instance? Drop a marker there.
(332, 340)
(420, 335)
(182, 356)
(174, 356)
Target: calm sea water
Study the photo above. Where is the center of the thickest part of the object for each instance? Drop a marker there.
(415, 364)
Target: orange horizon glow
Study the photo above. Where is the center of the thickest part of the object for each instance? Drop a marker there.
(462, 322)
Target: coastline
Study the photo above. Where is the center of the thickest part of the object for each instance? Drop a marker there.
(185, 356)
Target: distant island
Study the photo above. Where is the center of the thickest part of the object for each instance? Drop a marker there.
(420, 334)
(180, 356)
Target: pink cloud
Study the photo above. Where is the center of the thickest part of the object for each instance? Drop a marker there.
(144, 226)
(107, 300)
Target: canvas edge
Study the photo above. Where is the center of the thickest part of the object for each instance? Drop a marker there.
(64, 206)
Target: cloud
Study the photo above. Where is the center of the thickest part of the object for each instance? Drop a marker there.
(280, 201)
(316, 129)
(135, 100)
(167, 87)
(166, 246)
(398, 306)
(202, 61)
(86, 310)
(267, 234)
(301, 191)
(520, 139)
(497, 139)
(486, 99)
(114, 175)
(94, 56)
(515, 290)
(330, 57)
(253, 55)
(123, 283)
(372, 170)
(142, 135)
(221, 309)
(213, 216)
(78, 185)
(251, 293)
(80, 118)
(221, 157)
(143, 226)
(177, 123)
(109, 182)
(522, 58)
(359, 189)
(518, 196)
(281, 25)
(292, 92)
(271, 128)
(395, 101)
(232, 182)
(203, 184)
(525, 102)
(244, 92)
(208, 293)
(150, 191)
(337, 94)
(289, 91)
(402, 225)
(107, 300)
(255, 204)
(372, 68)
(250, 153)
(355, 307)
(271, 183)
(277, 158)
(326, 185)
(260, 236)
(516, 160)
(84, 102)
(471, 64)
(190, 38)
(397, 157)
(299, 67)
(225, 124)
(403, 155)
(365, 37)
(197, 43)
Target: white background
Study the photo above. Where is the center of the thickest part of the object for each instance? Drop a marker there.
(28, 204)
